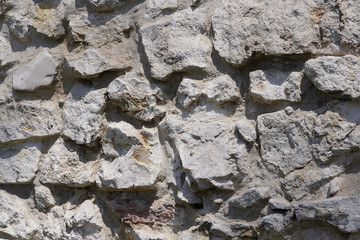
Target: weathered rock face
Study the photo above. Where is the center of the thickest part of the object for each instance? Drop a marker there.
(179, 120)
(339, 76)
(38, 73)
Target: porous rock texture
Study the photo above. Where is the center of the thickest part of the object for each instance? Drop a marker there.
(180, 119)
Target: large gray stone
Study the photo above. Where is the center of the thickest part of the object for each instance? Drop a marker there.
(16, 218)
(137, 98)
(39, 72)
(250, 197)
(18, 165)
(272, 85)
(82, 114)
(19, 121)
(350, 32)
(176, 43)
(340, 212)
(207, 148)
(132, 158)
(68, 164)
(243, 28)
(106, 5)
(338, 76)
(291, 141)
(308, 180)
(89, 64)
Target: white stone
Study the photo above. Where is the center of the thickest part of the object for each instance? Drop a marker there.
(89, 64)
(136, 97)
(15, 222)
(188, 92)
(243, 28)
(247, 130)
(69, 165)
(338, 76)
(176, 43)
(137, 158)
(18, 165)
(20, 121)
(39, 72)
(82, 114)
(221, 89)
(279, 204)
(272, 85)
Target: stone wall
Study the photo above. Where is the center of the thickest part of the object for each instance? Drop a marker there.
(180, 119)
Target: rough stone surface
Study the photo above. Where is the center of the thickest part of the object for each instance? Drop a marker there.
(89, 64)
(39, 72)
(176, 44)
(247, 27)
(338, 76)
(106, 5)
(247, 130)
(137, 98)
(19, 121)
(342, 213)
(18, 165)
(273, 85)
(69, 165)
(179, 119)
(82, 114)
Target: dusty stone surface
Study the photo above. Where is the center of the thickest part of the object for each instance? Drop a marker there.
(82, 114)
(69, 165)
(39, 72)
(179, 120)
(338, 76)
(176, 44)
(273, 85)
(136, 97)
(243, 28)
(18, 165)
(25, 120)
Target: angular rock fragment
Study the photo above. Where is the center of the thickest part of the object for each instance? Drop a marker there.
(155, 7)
(188, 92)
(350, 32)
(19, 27)
(291, 141)
(14, 221)
(89, 64)
(221, 89)
(18, 165)
(39, 72)
(250, 198)
(273, 223)
(279, 204)
(272, 85)
(247, 130)
(82, 114)
(47, 20)
(243, 28)
(337, 76)
(115, 48)
(340, 212)
(308, 180)
(137, 98)
(19, 121)
(43, 197)
(207, 149)
(176, 43)
(106, 5)
(136, 159)
(69, 165)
